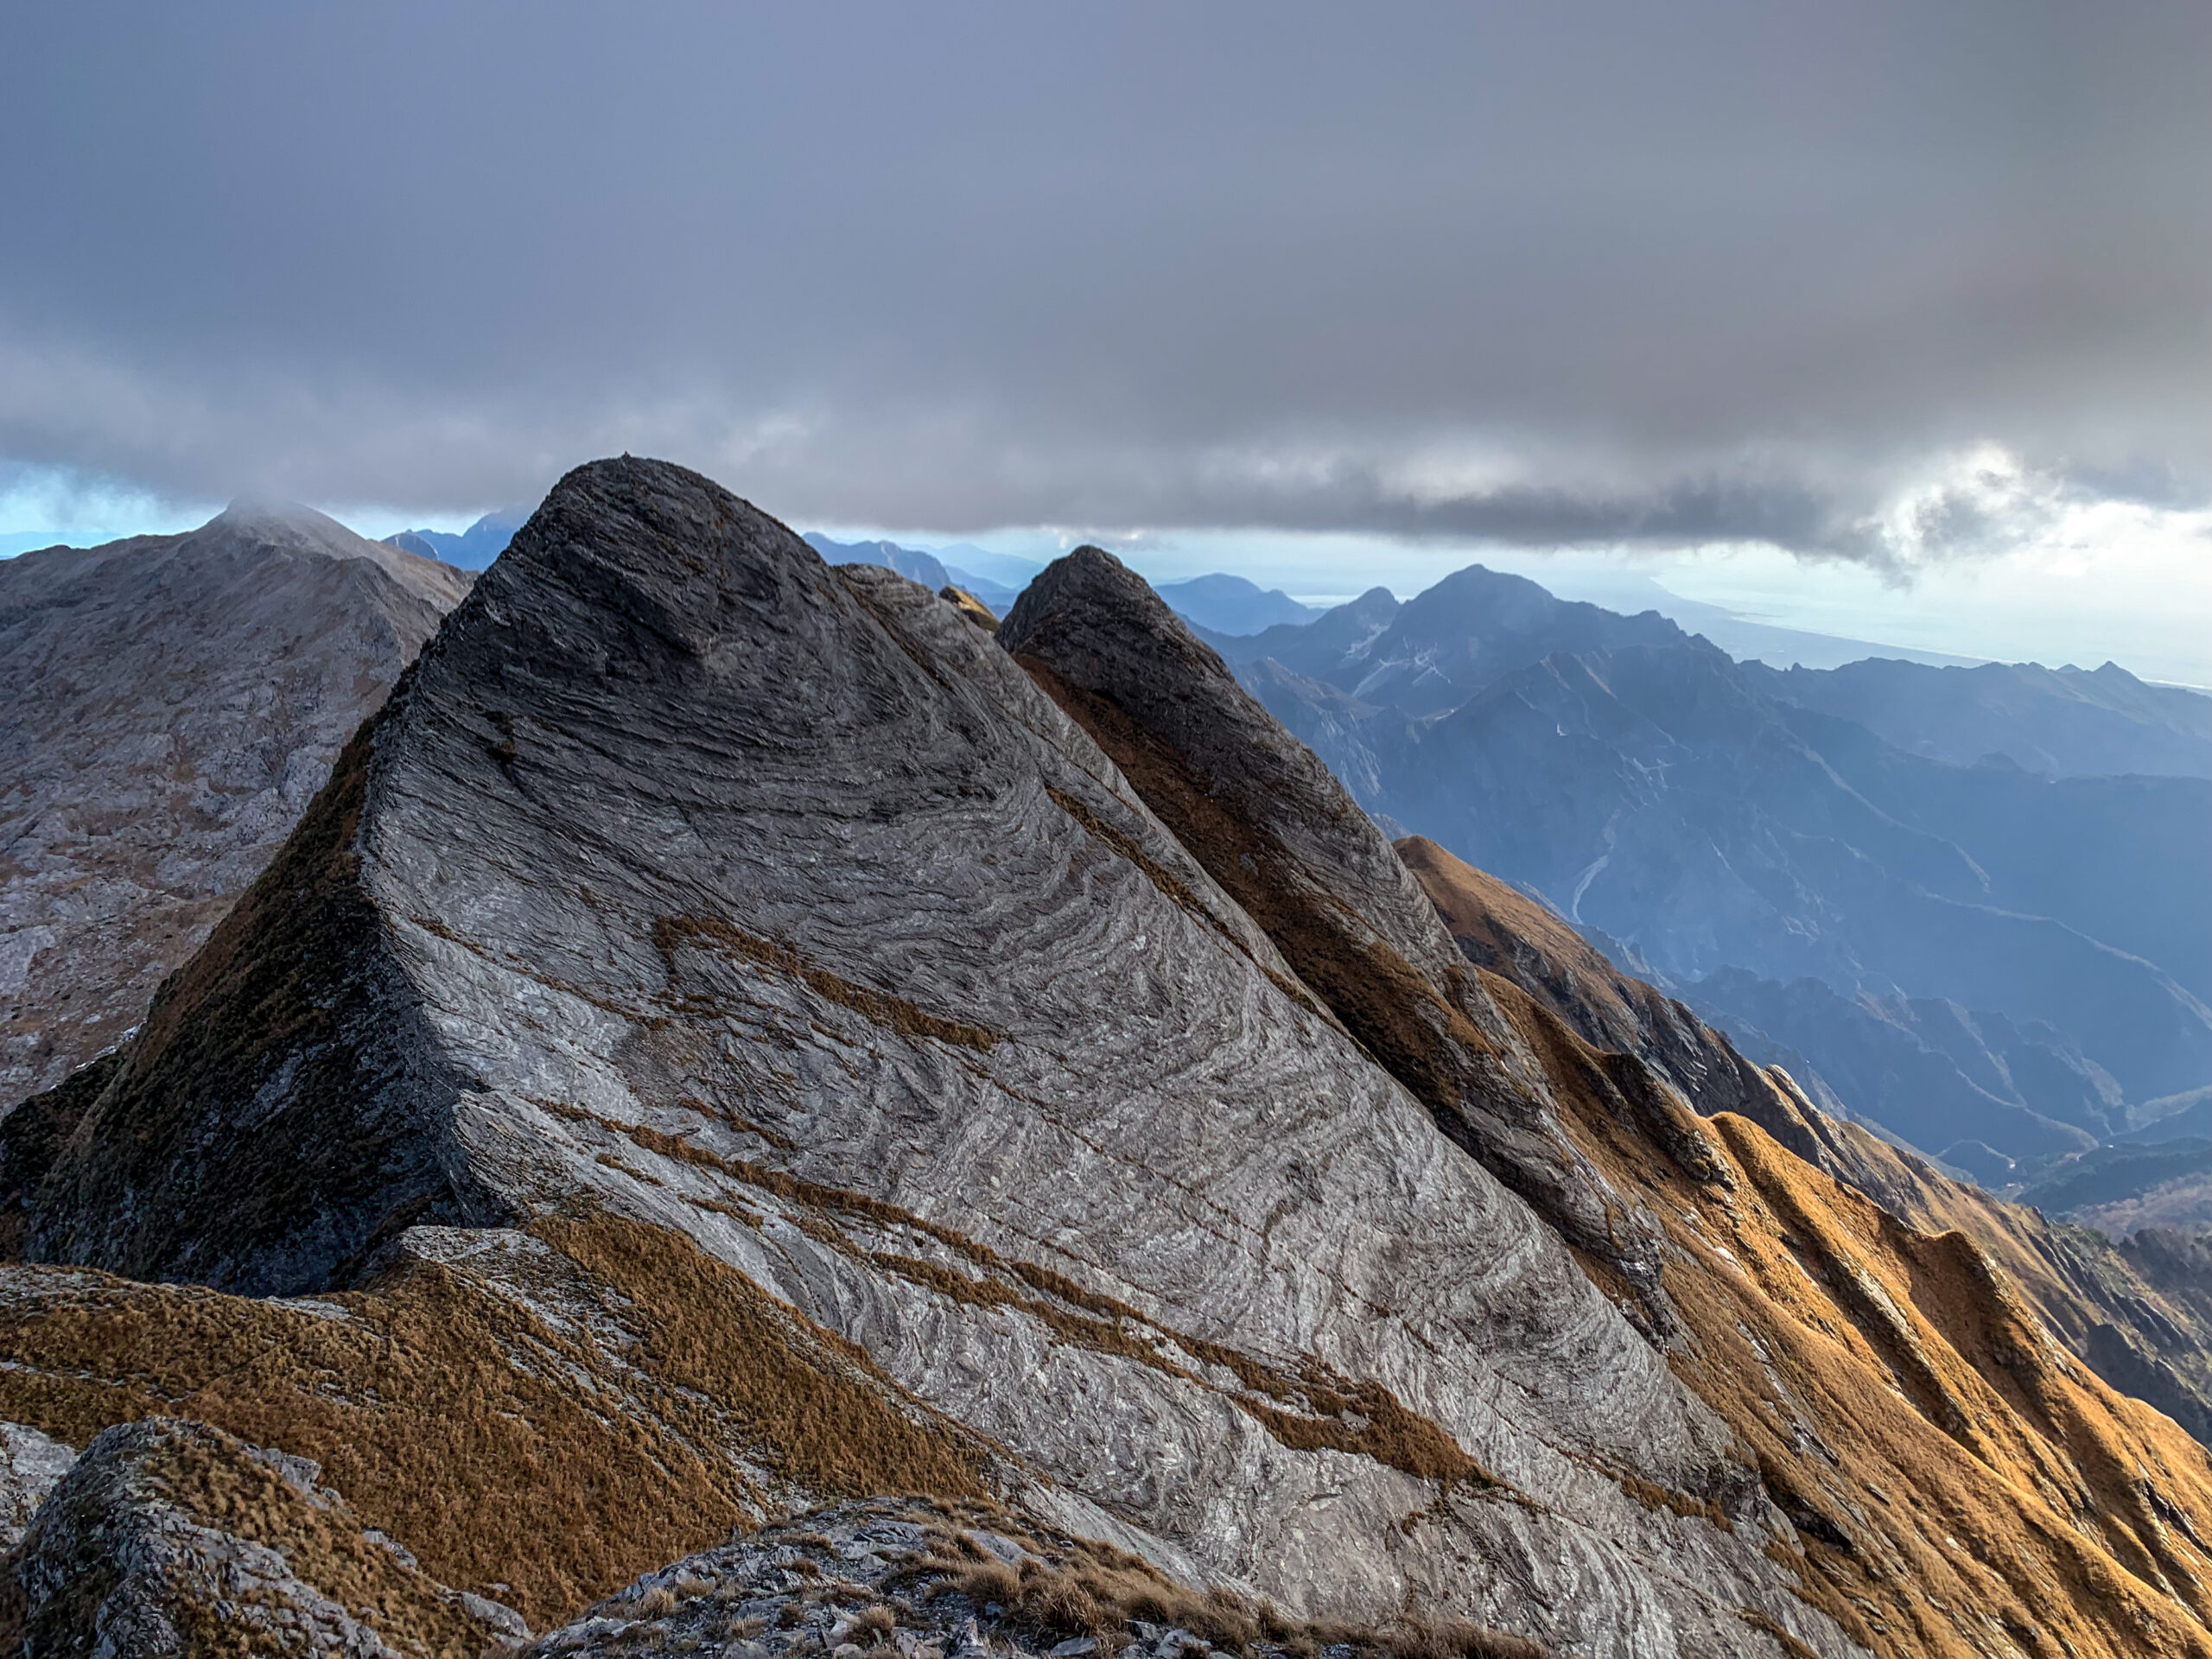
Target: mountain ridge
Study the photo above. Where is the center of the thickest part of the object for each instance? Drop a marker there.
(171, 704)
(742, 1001)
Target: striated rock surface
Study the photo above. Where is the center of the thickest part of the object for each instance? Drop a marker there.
(776, 907)
(1281, 835)
(168, 705)
(31, 1465)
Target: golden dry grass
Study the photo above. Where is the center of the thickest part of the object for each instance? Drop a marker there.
(222, 1486)
(1855, 1356)
(1955, 1477)
(417, 1416)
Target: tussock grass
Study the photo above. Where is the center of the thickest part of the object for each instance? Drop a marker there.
(455, 1421)
(213, 1479)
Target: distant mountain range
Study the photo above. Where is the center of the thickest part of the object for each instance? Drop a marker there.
(1904, 877)
(473, 549)
(1222, 603)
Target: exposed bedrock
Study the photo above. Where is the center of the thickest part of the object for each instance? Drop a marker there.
(1281, 834)
(776, 906)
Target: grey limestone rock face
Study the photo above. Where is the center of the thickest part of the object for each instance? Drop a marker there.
(776, 904)
(168, 706)
(1279, 832)
(31, 1465)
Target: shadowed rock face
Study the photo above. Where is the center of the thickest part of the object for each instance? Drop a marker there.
(775, 905)
(1281, 834)
(168, 706)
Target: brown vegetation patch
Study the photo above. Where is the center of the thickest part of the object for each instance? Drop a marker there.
(820, 1405)
(1855, 1356)
(224, 1487)
(894, 1013)
(456, 1421)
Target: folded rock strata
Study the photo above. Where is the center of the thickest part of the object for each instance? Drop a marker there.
(1282, 836)
(777, 907)
(724, 1000)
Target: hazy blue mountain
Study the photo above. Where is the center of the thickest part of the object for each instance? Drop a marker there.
(409, 541)
(918, 565)
(909, 562)
(2120, 1188)
(1660, 795)
(1004, 569)
(1435, 651)
(1232, 604)
(473, 548)
(1331, 647)
(2173, 1117)
(2126, 860)
(1954, 1075)
(2064, 721)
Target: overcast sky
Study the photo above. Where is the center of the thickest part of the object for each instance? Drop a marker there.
(1886, 285)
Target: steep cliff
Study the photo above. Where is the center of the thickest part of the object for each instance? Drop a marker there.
(1281, 835)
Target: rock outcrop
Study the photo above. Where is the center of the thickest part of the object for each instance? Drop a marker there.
(168, 706)
(776, 907)
(1281, 835)
(170, 1539)
(31, 1465)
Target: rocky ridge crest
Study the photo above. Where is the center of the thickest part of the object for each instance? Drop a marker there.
(705, 941)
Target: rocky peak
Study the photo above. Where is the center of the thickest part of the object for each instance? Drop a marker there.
(689, 881)
(168, 705)
(1276, 829)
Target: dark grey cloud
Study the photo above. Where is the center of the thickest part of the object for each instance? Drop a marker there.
(1582, 272)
